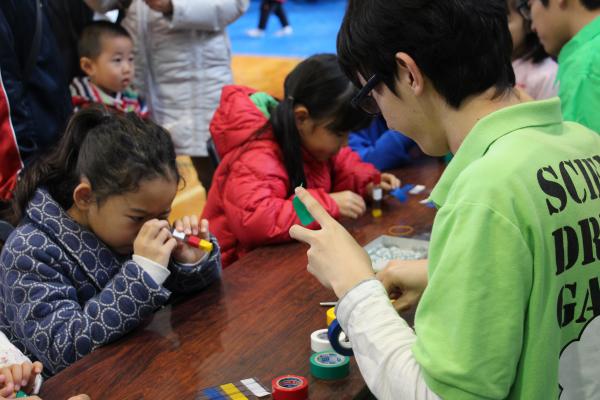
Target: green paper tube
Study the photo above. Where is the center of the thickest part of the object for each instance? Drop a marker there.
(302, 212)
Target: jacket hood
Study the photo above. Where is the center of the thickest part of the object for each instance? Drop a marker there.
(242, 112)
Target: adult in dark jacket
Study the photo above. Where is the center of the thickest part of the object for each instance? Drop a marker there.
(68, 18)
(34, 97)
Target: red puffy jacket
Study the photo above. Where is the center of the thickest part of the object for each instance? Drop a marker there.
(248, 203)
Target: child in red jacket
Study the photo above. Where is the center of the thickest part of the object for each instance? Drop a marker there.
(268, 148)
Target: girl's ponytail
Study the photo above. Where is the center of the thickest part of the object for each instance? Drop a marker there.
(287, 136)
(318, 84)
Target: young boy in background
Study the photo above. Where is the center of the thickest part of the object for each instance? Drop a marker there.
(535, 70)
(106, 57)
(570, 30)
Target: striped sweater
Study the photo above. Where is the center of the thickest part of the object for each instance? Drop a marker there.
(84, 93)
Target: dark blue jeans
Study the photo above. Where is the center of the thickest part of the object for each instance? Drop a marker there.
(265, 10)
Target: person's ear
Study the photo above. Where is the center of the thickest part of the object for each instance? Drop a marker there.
(409, 73)
(88, 66)
(83, 196)
(304, 123)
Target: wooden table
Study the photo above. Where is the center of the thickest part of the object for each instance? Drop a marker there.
(255, 323)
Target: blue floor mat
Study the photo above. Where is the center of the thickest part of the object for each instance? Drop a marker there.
(315, 25)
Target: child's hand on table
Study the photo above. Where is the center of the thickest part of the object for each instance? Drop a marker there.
(16, 377)
(389, 182)
(350, 204)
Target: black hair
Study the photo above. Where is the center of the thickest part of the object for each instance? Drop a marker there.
(90, 41)
(319, 84)
(114, 151)
(534, 50)
(589, 4)
(463, 46)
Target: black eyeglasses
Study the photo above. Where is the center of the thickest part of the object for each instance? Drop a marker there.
(524, 9)
(363, 99)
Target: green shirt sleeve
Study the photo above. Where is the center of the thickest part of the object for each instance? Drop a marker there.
(580, 97)
(470, 320)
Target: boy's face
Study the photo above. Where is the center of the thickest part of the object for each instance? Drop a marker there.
(113, 70)
(550, 24)
(405, 113)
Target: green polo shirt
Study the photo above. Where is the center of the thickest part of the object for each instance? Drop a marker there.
(579, 77)
(514, 262)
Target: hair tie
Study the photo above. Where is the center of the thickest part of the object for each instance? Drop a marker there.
(401, 230)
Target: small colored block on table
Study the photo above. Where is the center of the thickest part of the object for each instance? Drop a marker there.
(246, 389)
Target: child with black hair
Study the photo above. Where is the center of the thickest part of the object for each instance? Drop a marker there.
(507, 301)
(94, 254)
(106, 57)
(535, 70)
(570, 31)
(269, 147)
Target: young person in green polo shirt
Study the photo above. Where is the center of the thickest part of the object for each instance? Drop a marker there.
(511, 290)
(570, 30)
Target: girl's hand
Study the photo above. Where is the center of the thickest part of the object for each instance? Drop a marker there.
(184, 253)
(19, 377)
(154, 242)
(350, 204)
(389, 182)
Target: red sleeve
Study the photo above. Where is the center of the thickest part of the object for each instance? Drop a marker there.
(350, 173)
(9, 150)
(256, 200)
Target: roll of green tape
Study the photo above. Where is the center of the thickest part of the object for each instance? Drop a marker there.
(329, 365)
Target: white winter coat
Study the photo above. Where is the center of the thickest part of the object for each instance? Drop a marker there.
(182, 63)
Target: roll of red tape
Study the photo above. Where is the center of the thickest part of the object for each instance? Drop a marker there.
(290, 387)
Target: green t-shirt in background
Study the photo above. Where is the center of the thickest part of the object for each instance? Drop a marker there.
(579, 77)
(514, 262)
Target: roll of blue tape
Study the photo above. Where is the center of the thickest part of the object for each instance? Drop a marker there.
(341, 347)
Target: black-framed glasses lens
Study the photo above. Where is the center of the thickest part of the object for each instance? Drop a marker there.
(369, 105)
(363, 99)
